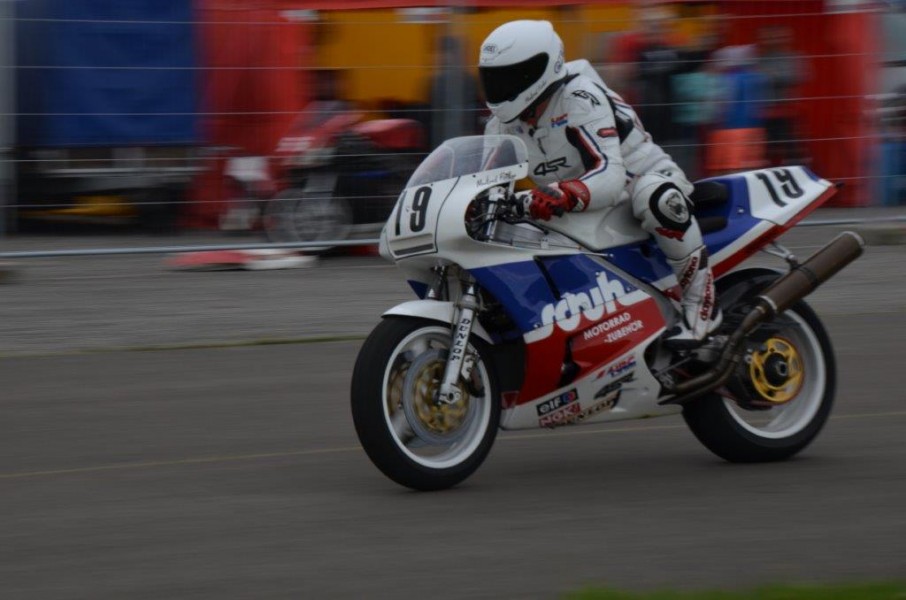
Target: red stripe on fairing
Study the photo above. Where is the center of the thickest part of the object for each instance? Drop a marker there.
(544, 358)
(725, 265)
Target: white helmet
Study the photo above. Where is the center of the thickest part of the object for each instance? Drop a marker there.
(518, 62)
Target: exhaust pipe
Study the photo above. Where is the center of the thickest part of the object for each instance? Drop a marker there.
(805, 278)
(801, 281)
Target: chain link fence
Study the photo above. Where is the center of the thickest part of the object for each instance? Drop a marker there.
(295, 127)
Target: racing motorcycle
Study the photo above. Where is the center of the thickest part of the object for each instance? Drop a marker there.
(520, 324)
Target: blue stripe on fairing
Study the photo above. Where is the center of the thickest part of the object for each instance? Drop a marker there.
(576, 273)
(643, 260)
(737, 211)
(420, 289)
(520, 288)
(646, 261)
(523, 291)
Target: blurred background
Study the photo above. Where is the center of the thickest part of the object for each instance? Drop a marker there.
(299, 120)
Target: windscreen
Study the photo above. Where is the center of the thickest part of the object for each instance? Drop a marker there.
(467, 155)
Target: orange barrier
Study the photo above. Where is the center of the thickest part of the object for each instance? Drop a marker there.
(735, 150)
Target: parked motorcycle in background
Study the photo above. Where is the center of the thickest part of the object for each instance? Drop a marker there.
(340, 174)
(524, 325)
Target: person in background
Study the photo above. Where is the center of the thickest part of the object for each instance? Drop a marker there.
(657, 62)
(783, 70)
(697, 90)
(737, 142)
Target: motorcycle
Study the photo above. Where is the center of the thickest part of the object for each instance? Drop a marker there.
(520, 324)
(340, 173)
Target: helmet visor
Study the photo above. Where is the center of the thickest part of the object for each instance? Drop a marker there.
(503, 84)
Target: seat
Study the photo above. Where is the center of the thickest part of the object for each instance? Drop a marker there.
(709, 199)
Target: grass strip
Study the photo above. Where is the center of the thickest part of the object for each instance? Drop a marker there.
(868, 591)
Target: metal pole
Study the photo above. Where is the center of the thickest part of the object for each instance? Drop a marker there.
(7, 112)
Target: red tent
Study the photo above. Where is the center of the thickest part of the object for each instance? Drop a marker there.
(254, 85)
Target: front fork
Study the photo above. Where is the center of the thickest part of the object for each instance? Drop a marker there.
(459, 363)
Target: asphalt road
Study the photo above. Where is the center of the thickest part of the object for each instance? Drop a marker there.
(235, 472)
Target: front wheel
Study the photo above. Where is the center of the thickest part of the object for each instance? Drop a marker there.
(411, 438)
(778, 399)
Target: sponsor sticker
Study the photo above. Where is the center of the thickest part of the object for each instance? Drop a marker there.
(564, 416)
(607, 297)
(558, 402)
(621, 367)
(591, 98)
(605, 326)
(624, 331)
(614, 387)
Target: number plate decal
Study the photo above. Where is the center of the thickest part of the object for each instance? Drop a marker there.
(778, 194)
(414, 220)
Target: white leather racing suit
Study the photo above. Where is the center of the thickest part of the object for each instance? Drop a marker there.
(589, 133)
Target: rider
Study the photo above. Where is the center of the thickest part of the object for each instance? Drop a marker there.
(589, 151)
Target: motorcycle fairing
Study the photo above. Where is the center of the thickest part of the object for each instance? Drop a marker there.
(572, 310)
(761, 206)
(624, 388)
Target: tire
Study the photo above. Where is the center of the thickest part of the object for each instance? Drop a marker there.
(411, 441)
(294, 216)
(760, 419)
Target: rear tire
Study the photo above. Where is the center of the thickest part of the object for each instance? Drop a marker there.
(293, 215)
(769, 418)
(412, 441)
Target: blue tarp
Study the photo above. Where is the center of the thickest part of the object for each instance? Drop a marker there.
(106, 73)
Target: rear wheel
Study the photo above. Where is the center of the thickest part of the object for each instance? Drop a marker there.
(778, 399)
(411, 438)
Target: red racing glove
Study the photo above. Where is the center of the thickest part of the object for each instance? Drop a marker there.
(557, 199)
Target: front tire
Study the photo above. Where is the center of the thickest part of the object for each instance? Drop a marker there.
(413, 441)
(778, 400)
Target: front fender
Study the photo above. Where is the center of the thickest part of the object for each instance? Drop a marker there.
(434, 310)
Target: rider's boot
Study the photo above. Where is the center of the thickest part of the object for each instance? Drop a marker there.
(701, 314)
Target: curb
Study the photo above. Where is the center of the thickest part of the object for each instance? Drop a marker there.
(243, 260)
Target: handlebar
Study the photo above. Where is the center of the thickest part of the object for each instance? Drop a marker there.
(500, 205)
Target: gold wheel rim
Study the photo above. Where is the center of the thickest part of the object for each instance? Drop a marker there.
(776, 371)
(441, 419)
